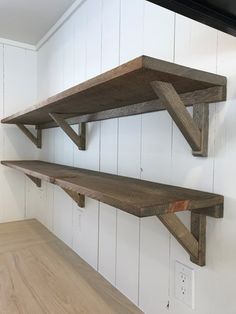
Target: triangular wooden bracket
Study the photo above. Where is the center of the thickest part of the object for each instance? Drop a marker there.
(193, 241)
(194, 129)
(37, 181)
(78, 139)
(78, 198)
(36, 140)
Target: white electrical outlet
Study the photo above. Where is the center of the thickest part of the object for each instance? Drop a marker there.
(184, 284)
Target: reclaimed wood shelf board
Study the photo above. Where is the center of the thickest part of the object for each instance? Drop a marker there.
(125, 85)
(40, 274)
(138, 197)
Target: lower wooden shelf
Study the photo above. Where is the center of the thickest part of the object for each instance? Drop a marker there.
(40, 274)
(137, 197)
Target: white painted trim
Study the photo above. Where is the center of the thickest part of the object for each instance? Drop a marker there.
(59, 23)
(18, 44)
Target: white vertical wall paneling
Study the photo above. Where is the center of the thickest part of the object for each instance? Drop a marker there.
(156, 161)
(80, 40)
(20, 77)
(86, 224)
(131, 28)
(127, 267)
(158, 40)
(94, 36)
(68, 53)
(129, 150)
(46, 193)
(194, 172)
(109, 137)
(223, 238)
(55, 64)
(43, 72)
(63, 146)
(110, 34)
(108, 221)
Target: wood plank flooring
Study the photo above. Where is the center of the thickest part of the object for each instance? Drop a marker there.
(40, 274)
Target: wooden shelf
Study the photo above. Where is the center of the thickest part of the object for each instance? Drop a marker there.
(136, 197)
(132, 88)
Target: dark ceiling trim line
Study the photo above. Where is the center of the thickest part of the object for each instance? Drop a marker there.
(201, 13)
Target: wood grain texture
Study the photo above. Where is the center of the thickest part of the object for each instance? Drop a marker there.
(201, 119)
(125, 85)
(36, 140)
(78, 198)
(78, 139)
(137, 197)
(174, 105)
(198, 229)
(209, 95)
(36, 181)
(181, 233)
(40, 274)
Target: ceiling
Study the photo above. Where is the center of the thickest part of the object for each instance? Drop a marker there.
(28, 21)
(220, 14)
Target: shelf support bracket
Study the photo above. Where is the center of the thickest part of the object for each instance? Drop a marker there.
(36, 181)
(193, 240)
(181, 234)
(194, 129)
(79, 140)
(36, 140)
(77, 197)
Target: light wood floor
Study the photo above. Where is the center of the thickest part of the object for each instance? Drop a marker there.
(40, 274)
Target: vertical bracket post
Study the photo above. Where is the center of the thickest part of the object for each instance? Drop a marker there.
(201, 118)
(36, 140)
(198, 230)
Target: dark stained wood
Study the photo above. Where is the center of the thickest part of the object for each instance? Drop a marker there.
(125, 85)
(181, 233)
(174, 105)
(215, 211)
(209, 95)
(36, 140)
(137, 197)
(36, 181)
(201, 118)
(78, 198)
(198, 230)
(78, 139)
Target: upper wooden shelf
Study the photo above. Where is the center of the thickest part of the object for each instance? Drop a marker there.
(125, 85)
(142, 85)
(137, 197)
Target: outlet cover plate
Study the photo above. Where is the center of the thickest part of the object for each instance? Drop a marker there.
(185, 284)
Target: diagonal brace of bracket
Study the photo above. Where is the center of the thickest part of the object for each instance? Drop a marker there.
(181, 233)
(194, 129)
(36, 140)
(78, 198)
(193, 241)
(37, 181)
(79, 140)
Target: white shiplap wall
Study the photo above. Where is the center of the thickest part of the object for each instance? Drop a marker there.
(137, 256)
(18, 68)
